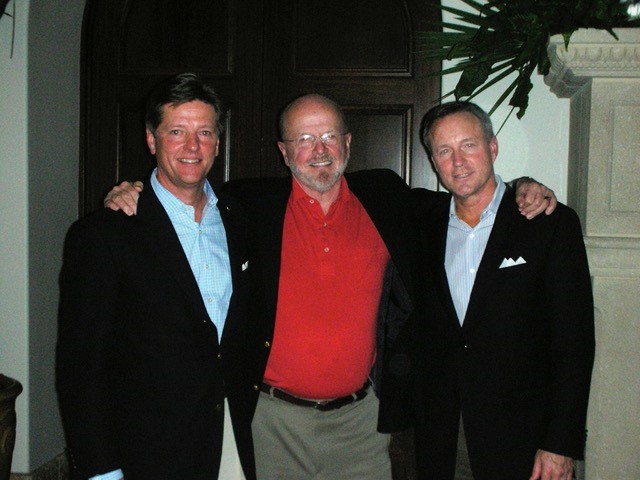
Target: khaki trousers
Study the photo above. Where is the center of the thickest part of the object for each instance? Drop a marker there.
(294, 442)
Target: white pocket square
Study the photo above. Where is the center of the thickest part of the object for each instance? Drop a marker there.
(510, 262)
(245, 265)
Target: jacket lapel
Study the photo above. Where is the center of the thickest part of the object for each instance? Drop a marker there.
(164, 245)
(271, 209)
(236, 236)
(437, 245)
(499, 240)
(383, 212)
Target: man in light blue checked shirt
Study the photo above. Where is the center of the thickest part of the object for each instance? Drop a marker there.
(205, 245)
(152, 375)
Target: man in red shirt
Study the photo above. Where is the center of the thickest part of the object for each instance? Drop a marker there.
(317, 412)
(335, 253)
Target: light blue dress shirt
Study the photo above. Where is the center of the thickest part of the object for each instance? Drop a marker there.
(206, 249)
(465, 247)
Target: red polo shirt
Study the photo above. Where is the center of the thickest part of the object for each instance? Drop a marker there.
(330, 284)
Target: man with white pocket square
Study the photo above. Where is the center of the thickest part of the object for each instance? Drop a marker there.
(507, 344)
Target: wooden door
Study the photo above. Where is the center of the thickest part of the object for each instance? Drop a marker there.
(259, 54)
(360, 54)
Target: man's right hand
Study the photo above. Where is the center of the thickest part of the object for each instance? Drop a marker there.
(124, 197)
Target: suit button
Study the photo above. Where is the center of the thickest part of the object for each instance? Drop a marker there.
(218, 407)
(465, 346)
(267, 344)
(219, 356)
(256, 388)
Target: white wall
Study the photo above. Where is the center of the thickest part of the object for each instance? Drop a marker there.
(14, 308)
(39, 138)
(536, 146)
(53, 146)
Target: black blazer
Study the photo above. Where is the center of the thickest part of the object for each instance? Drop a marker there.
(384, 196)
(519, 368)
(141, 377)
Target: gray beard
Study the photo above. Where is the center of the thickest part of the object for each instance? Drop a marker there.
(322, 183)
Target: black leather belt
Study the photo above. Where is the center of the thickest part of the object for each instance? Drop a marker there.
(321, 405)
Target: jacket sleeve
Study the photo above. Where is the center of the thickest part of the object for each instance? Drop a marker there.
(569, 300)
(86, 319)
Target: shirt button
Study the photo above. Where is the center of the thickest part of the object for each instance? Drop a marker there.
(209, 299)
(472, 270)
(312, 200)
(326, 249)
(471, 235)
(206, 266)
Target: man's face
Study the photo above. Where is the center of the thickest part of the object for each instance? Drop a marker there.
(185, 145)
(462, 156)
(317, 169)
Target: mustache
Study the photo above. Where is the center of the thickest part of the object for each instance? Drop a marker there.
(322, 157)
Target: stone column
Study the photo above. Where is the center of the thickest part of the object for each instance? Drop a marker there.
(601, 76)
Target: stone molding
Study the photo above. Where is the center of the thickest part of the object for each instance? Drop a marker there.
(592, 53)
(613, 257)
(601, 75)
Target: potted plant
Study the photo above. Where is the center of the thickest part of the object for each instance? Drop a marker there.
(9, 391)
(498, 38)
(3, 6)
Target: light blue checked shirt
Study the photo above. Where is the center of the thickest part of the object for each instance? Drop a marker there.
(465, 247)
(206, 249)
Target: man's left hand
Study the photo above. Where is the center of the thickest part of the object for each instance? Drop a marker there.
(551, 466)
(533, 198)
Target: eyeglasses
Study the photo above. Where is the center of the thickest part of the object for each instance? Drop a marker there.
(306, 141)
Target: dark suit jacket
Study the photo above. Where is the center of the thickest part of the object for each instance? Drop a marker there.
(383, 195)
(141, 377)
(519, 368)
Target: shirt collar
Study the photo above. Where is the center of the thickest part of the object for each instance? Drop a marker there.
(493, 206)
(297, 193)
(170, 202)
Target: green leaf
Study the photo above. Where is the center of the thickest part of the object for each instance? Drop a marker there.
(481, 7)
(496, 38)
(472, 77)
(503, 96)
(457, 26)
(508, 71)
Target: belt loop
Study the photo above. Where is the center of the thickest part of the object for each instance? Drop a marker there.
(271, 389)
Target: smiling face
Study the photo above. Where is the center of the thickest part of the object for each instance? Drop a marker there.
(185, 145)
(317, 169)
(463, 158)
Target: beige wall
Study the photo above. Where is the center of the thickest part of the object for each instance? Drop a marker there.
(14, 325)
(39, 109)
